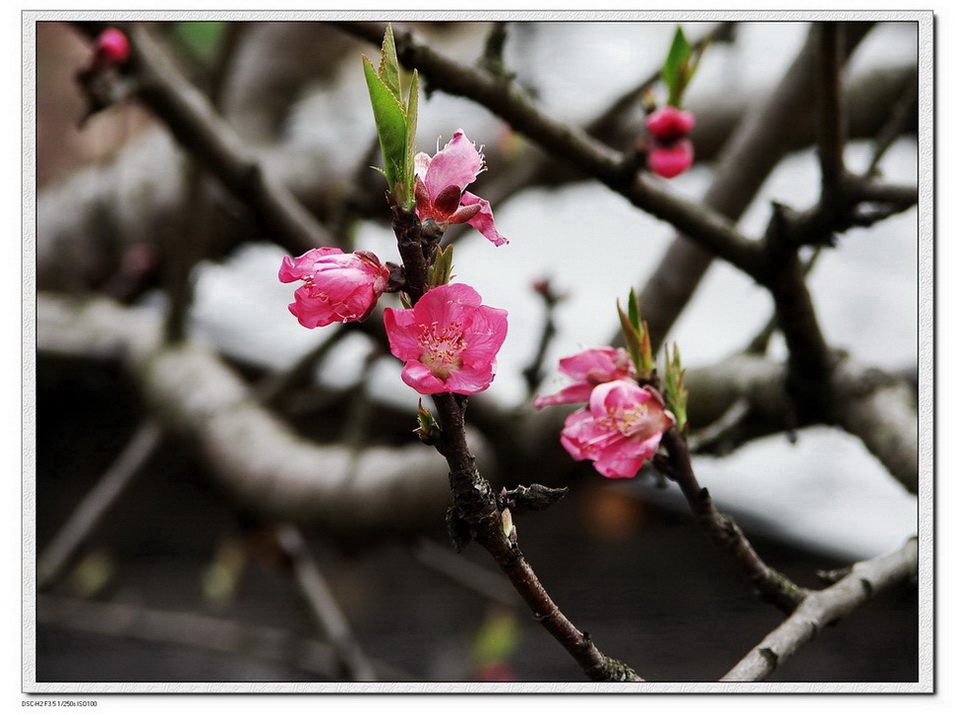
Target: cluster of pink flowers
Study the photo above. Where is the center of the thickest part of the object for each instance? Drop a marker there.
(670, 151)
(448, 341)
(622, 423)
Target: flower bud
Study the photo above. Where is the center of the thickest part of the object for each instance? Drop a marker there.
(111, 48)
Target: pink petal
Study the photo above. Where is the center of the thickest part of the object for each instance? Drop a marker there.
(670, 161)
(402, 330)
(578, 392)
(418, 377)
(483, 220)
(458, 164)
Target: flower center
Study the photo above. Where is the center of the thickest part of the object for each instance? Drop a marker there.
(629, 421)
(440, 348)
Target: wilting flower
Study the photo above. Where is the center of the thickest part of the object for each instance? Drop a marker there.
(448, 340)
(589, 368)
(619, 429)
(670, 152)
(336, 287)
(439, 188)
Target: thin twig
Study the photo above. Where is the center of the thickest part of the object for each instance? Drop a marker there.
(772, 586)
(488, 584)
(195, 630)
(211, 141)
(821, 608)
(97, 502)
(475, 512)
(329, 617)
(831, 115)
(569, 143)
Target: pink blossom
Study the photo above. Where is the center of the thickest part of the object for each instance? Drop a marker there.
(621, 427)
(589, 368)
(336, 286)
(110, 48)
(669, 123)
(439, 188)
(670, 159)
(448, 340)
(670, 151)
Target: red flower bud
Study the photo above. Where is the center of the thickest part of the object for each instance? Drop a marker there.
(111, 48)
(668, 123)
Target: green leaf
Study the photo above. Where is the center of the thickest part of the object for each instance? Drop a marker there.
(631, 337)
(391, 124)
(674, 72)
(411, 117)
(388, 70)
(633, 309)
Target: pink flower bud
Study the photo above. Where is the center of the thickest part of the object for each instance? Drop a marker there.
(337, 287)
(619, 429)
(668, 123)
(672, 159)
(448, 340)
(111, 48)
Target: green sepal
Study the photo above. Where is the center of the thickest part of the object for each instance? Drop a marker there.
(392, 129)
(636, 337)
(428, 430)
(439, 272)
(674, 388)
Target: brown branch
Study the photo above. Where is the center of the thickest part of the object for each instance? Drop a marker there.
(570, 144)
(201, 131)
(766, 133)
(325, 610)
(771, 585)
(119, 620)
(257, 457)
(819, 609)
(475, 511)
(88, 513)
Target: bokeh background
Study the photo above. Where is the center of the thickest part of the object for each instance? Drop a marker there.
(179, 584)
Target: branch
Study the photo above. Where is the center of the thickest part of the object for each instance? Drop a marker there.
(567, 143)
(258, 458)
(196, 631)
(865, 580)
(331, 621)
(761, 139)
(201, 131)
(771, 585)
(96, 503)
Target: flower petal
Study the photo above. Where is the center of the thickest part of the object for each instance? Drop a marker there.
(458, 164)
(483, 220)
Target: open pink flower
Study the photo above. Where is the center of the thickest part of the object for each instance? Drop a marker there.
(439, 188)
(336, 287)
(448, 340)
(619, 429)
(589, 368)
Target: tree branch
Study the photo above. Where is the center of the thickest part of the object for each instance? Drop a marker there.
(865, 579)
(258, 458)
